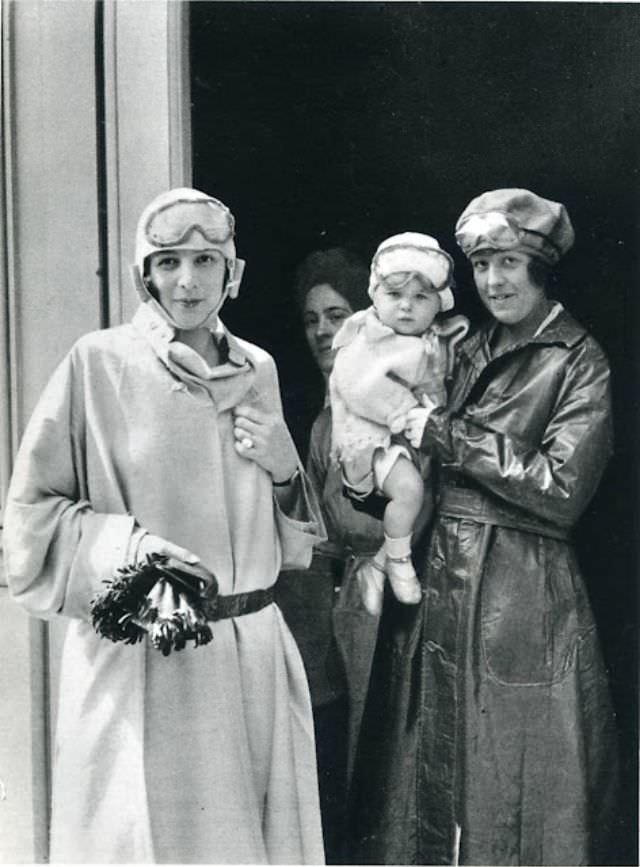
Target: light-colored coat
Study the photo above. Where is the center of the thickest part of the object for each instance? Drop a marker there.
(206, 755)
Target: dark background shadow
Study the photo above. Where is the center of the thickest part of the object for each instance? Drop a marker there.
(325, 124)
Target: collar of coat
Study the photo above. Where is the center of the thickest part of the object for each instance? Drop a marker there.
(563, 330)
(160, 333)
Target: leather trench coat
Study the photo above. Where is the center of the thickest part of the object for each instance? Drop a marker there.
(489, 736)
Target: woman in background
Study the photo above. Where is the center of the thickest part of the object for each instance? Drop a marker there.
(323, 608)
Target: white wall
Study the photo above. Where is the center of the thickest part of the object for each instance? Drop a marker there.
(50, 288)
(53, 296)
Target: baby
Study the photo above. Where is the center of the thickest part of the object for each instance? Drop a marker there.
(391, 358)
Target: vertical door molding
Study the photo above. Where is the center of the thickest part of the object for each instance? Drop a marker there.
(50, 296)
(8, 375)
(147, 124)
(95, 120)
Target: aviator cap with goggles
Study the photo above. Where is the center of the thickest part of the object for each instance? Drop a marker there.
(413, 254)
(513, 218)
(187, 219)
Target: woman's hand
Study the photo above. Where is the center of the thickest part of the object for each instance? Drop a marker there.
(150, 544)
(416, 421)
(263, 437)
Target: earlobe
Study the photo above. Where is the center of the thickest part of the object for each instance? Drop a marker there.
(233, 284)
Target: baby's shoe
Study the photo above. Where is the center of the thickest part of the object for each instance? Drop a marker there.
(371, 575)
(399, 567)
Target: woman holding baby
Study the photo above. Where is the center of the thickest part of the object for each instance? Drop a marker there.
(488, 735)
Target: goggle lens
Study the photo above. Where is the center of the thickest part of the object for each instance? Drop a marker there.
(434, 267)
(400, 279)
(397, 280)
(493, 229)
(173, 223)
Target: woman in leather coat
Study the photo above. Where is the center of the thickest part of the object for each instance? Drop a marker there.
(503, 749)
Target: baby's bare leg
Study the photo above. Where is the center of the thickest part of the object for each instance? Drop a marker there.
(405, 488)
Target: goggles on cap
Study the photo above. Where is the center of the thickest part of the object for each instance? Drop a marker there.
(398, 280)
(495, 230)
(435, 266)
(171, 224)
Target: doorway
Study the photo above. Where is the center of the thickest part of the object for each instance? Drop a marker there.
(324, 124)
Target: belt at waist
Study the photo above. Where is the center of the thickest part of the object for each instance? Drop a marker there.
(238, 604)
(460, 502)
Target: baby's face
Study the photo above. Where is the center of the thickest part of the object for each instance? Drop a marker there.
(406, 304)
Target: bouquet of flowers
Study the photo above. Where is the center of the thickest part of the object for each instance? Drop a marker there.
(160, 598)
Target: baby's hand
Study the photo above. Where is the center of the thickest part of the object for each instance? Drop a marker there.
(396, 422)
(415, 424)
(428, 402)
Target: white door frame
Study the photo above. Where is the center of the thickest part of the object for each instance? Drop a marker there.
(95, 121)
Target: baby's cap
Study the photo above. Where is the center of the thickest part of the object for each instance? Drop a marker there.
(414, 253)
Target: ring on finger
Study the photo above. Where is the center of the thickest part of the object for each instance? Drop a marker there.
(247, 443)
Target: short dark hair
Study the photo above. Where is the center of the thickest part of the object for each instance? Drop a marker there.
(541, 273)
(339, 268)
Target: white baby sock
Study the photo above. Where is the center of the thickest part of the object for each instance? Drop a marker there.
(399, 566)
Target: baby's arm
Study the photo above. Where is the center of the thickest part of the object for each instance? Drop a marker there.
(369, 393)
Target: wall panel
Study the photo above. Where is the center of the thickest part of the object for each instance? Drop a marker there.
(95, 121)
(51, 296)
(148, 143)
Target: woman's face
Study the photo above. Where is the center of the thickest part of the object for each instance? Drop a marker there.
(189, 284)
(505, 286)
(324, 312)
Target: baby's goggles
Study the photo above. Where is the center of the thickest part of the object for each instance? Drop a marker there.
(396, 264)
(171, 224)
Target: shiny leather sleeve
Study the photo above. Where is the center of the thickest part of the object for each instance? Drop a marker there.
(555, 476)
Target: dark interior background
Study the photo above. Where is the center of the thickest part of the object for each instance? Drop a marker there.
(326, 124)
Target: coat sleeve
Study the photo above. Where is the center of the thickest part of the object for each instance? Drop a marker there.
(301, 526)
(555, 480)
(317, 460)
(58, 550)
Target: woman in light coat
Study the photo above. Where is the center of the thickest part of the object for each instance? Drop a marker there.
(166, 436)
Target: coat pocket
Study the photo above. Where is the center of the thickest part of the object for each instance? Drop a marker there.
(533, 610)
